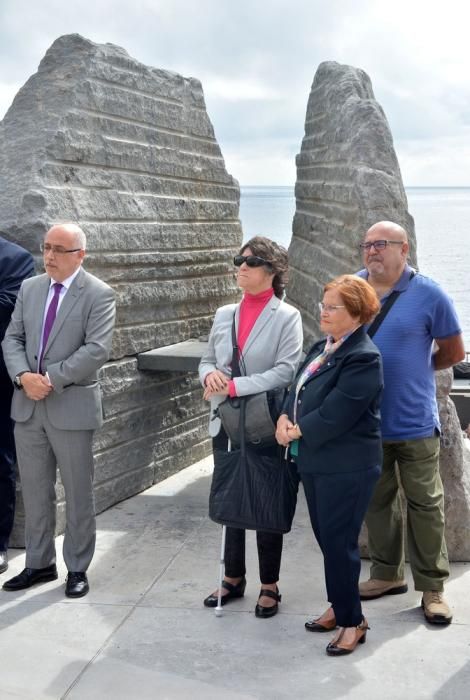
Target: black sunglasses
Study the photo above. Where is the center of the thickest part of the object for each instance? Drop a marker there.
(250, 260)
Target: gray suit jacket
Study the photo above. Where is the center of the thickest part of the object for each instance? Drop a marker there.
(79, 344)
(271, 352)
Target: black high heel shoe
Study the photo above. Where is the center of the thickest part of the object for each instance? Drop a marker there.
(317, 625)
(234, 591)
(263, 611)
(337, 648)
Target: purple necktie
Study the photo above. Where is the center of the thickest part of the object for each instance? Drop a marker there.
(50, 318)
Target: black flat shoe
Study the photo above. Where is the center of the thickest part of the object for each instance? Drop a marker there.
(261, 610)
(234, 591)
(29, 577)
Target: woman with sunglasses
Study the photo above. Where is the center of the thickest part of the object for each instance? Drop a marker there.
(269, 339)
(331, 423)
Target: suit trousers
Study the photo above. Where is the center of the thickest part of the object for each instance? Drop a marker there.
(7, 461)
(418, 465)
(269, 543)
(337, 504)
(40, 449)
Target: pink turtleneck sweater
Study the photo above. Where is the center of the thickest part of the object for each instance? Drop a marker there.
(250, 308)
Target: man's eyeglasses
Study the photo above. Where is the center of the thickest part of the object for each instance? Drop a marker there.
(56, 249)
(378, 245)
(329, 308)
(250, 260)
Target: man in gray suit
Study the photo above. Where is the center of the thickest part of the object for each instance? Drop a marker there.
(58, 338)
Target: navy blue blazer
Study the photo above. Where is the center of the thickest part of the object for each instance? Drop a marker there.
(15, 265)
(338, 409)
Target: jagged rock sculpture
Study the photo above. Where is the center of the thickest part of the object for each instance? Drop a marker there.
(348, 178)
(128, 152)
(455, 471)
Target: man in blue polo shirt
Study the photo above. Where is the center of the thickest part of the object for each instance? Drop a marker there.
(422, 314)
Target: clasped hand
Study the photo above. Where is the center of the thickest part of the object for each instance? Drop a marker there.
(216, 384)
(286, 431)
(35, 386)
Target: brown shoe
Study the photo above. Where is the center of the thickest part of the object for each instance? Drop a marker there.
(324, 623)
(376, 588)
(338, 647)
(436, 611)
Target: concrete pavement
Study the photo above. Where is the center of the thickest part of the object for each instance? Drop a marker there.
(143, 634)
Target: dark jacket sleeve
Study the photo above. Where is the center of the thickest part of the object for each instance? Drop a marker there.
(16, 265)
(359, 382)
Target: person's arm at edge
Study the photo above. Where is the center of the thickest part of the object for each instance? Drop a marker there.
(450, 351)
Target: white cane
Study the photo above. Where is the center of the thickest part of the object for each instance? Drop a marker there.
(218, 610)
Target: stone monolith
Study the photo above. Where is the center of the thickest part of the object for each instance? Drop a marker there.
(455, 471)
(128, 151)
(348, 178)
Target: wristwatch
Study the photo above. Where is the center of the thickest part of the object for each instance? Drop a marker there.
(17, 380)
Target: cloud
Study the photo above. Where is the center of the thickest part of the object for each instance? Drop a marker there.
(257, 61)
(234, 90)
(445, 160)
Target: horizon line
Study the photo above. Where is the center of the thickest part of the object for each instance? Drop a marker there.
(407, 187)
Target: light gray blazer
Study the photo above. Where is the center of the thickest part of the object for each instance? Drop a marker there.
(272, 351)
(79, 344)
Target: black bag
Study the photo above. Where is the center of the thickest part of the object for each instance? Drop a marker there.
(261, 414)
(253, 490)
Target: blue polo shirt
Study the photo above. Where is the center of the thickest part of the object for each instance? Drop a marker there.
(421, 313)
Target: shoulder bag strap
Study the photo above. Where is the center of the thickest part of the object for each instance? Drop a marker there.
(242, 402)
(379, 319)
(235, 352)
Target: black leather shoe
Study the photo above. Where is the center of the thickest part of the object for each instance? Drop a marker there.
(234, 591)
(76, 585)
(261, 610)
(29, 577)
(3, 561)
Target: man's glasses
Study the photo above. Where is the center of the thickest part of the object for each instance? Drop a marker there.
(329, 308)
(378, 245)
(250, 260)
(56, 249)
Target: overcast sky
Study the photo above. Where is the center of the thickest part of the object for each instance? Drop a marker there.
(256, 60)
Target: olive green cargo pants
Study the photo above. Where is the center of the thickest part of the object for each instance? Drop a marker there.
(418, 467)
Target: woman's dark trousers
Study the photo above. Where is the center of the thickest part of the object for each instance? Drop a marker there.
(337, 504)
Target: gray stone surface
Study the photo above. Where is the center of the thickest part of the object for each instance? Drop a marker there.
(181, 357)
(348, 178)
(128, 151)
(455, 471)
(142, 632)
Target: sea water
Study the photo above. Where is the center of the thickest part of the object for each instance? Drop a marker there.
(442, 223)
